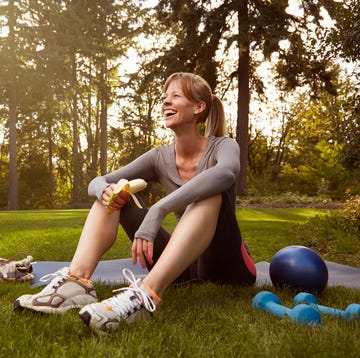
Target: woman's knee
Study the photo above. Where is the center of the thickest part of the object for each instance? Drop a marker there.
(211, 204)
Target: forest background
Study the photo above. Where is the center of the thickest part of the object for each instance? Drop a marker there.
(81, 86)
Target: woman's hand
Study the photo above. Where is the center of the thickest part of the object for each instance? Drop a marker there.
(142, 249)
(118, 202)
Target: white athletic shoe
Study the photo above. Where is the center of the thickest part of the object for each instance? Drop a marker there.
(132, 304)
(19, 271)
(64, 292)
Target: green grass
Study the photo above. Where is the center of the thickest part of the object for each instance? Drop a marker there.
(193, 321)
(268, 230)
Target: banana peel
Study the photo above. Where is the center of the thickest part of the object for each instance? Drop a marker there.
(131, 187)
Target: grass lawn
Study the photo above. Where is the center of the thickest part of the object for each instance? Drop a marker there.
(193, 321)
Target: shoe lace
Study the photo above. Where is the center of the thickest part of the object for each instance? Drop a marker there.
(55, 278)
(122, 302)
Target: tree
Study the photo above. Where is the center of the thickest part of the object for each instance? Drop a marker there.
(311, 163)
(204, 28)
(11, 90)
(350, 139)
(69, 53)
(344, 38)
(344, 41)
(138, 119)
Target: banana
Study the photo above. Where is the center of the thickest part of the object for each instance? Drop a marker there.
(131, 187)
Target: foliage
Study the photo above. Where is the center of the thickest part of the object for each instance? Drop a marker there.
(345, 36)
(350, 128)
(335, 235)
(324, 176)
(351, 213)
(285, 200)
(315, 151)
(66, 56)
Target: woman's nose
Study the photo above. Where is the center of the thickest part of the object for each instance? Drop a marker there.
(166, 100)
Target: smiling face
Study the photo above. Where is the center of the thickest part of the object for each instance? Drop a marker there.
(177, 108)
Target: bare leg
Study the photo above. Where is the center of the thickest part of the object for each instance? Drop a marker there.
(98, 235)
(189, 240)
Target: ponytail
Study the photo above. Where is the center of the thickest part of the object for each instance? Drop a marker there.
(215, 122)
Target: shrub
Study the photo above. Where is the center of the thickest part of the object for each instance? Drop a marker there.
(334, 235)
(351, 213)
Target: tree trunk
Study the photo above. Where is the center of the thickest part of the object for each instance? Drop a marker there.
(50, 159)
(76, 197)
(13, 176)
(242, 128)
(103, 134)
(103, 104)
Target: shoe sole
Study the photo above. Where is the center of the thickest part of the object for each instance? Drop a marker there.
(87, 316)
(25, 278)
(48, 309)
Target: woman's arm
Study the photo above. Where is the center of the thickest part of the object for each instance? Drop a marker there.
(142, 167)
(211, 181)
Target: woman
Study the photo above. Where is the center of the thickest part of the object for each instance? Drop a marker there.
(198, 173)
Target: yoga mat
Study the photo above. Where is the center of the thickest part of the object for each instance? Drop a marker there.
(110, 272)
(107, 272)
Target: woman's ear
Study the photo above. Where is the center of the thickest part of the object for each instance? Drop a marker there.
(200, 107)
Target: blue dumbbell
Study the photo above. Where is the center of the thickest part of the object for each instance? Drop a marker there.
(351, 312)
(268, 302)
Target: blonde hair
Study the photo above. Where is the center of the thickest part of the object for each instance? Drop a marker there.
(196, 89)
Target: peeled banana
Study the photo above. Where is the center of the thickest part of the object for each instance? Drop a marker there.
(131, 187)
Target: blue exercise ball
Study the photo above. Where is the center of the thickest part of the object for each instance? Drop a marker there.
(299, 268)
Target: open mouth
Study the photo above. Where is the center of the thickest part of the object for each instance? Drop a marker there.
(169, 112)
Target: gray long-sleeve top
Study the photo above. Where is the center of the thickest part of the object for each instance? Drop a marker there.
(216, 172)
